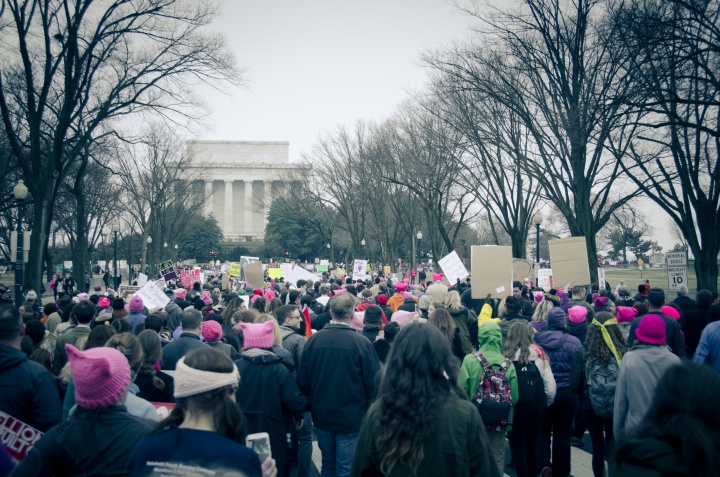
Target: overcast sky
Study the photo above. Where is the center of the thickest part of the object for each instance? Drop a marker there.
(314, 64)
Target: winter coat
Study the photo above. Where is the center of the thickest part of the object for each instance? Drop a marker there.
(294, 342)
(692, 326)
(173, 351)
(578, 330)
(136, 318)
(708, 350)
(457, 446)
(266, 392)
(224, 348)
(561, 347)
(28, 391)
(371, 332)
(460, 317)
(173, 312)
(649, 457)
(673, 336)
(641, 369)
(508, 321)
(148, 391)
(337, 372)
(92, 443)
(471, 371)
(685, 303)
(395, 302)
(543, 365)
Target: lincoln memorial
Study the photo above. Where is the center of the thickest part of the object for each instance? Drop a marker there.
(239, 180)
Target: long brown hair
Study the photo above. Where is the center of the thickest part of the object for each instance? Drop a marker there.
(442, 319)
(519, 337)
(597, 349)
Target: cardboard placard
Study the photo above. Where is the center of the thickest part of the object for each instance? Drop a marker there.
(189, 277)
(522, 269)
(491, 271)
(243, 261)
(569, 261)
(126, 290)
(274, 273)
(254, 274)
(225, 282)
(453, 268)
(142, 279)
(17, 437)
(234, 270)
(167, 270)
(387, 270)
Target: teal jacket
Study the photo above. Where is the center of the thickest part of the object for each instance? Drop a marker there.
(490, 343)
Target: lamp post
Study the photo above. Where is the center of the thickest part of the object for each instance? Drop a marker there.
(115, 228)
(417, 261)
(147, 259)
(331, 258)
(176, 254)
(20, 191)
(537, 220)
(362, 244)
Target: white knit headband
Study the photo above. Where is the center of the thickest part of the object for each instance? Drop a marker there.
(190, 381)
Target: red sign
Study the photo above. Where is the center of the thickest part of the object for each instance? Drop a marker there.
(189, 277)
(17, 437)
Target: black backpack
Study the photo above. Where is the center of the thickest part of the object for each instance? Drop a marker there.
(532, 400)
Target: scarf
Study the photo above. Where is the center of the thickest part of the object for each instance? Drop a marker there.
(606, 336)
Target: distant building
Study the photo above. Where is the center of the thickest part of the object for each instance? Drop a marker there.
(239, 180)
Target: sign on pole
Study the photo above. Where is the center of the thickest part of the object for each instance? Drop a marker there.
(676, 269)
(601, 278)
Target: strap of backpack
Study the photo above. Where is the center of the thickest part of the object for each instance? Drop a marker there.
(483, 361)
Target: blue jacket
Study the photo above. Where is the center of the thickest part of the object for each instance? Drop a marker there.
(708, 350)
(561, 348)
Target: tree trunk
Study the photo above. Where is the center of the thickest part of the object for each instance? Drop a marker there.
(706, 268)
(80, 252)
(40, 231)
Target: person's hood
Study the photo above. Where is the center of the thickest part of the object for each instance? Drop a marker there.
(652, 454)
(10, 357)
(490, 337)
(260, 356)
(286, 331)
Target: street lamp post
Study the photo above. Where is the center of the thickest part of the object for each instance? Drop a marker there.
(147, 259)
(419, 237)
(537, 220)
(362, 244)
(115, 229)
(20, 191)
(176, 254)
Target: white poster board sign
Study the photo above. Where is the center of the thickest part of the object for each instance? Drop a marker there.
(300, 273)
(287, 270)
(152, 296)
(359, 271)
(453, 268)
(601, 278)
(545, 280)
(142, 279)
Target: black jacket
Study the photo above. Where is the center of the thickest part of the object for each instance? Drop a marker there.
(173, 351)
(673, 337)
(27, 390)
(338, 373)
(91, 443)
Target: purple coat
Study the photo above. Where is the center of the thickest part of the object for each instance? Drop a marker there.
(560, 347)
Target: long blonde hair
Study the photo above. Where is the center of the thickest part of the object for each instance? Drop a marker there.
(452, 300)
(541, 310)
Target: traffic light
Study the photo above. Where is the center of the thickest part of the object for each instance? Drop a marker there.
(140, 259)
(287, 254)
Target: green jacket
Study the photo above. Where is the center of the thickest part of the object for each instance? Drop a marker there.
(490, 343)
(457, 446)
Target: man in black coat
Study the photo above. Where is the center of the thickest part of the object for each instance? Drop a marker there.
(191, 323)
(27, 390)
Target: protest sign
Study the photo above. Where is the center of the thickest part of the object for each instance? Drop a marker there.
(323, 300)
(286, 270)
(324, 262)
(545, 278)
(243, 261)
(225, 282)
(491, 271)
(142, 279)
(152, 296)
(167, 270)
(126, 290)
(274, 273)
(569, 261)
(189, 277)
(300, 273)
(453, 267)
(322, 268)
(234, 270)
(163, 409)
(340, 272)
(359, 270)
(254, 274)
(522, 269)
(601, 278)
(17, 437)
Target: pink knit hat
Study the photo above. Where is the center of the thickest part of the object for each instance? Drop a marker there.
(104, 302)
(83, 296)
(407, 295)
(400, 287)
(100, 376)
(437, 277)
(211, 331)
(207, 299)
(269, 295)
(538, 296)
(402, 317)
(577, 314)
(671, 312)
(559, 293)
(626, 314)
(651, 330)
(181, 293)
(136, 304)
(258, 335)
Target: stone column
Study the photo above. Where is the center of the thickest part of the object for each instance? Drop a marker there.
(267, 202)
(208, 197)
(228, 224)
(249, 207)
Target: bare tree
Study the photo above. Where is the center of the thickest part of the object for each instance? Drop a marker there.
(549, 63)
(72, 69)
(673, 51)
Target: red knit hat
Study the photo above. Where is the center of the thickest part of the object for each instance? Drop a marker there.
(100, 375)
(258, 335)
(211, 331)
(651, 330)
(382, 299)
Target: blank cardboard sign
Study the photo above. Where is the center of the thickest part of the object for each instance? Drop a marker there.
(492, 271)
(254, 274)
(569, 261)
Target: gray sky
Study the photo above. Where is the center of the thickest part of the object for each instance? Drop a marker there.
(314, 64)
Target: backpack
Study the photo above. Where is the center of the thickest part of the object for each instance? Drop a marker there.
(493, 397)
(532, 400)
(601, 382)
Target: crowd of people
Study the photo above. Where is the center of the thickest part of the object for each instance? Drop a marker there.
(391, 379)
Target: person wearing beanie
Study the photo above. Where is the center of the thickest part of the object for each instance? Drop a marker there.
(625, 316)
(136, 316)
(642, 367)
(577, 322)
(567, 358)
(84, 313)
(339, 394)
(397, 299)
(180, 294)
(511, 314)
(101, 434)
(673, 336)
(191, 323)
(268, 393)
(212, 333)
(205, 431)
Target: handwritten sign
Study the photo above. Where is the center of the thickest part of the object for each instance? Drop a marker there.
(359, 269)
(167, 270)
(453, 267)
(142, 279)
(286, 270)
(152, 296)
(189, 277)
(234, 270)
(17, 437)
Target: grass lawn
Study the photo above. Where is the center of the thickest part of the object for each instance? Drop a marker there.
(657, 276)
